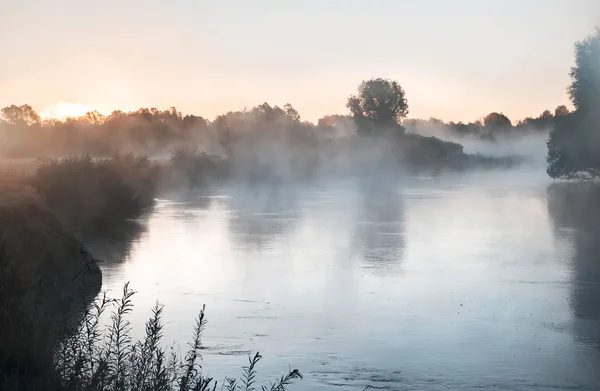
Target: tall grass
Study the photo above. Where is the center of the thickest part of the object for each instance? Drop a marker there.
(109, 359)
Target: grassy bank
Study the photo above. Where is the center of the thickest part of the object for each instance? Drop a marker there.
(45, 277)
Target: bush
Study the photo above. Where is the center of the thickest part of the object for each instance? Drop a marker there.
(93, 194)
(193, 167)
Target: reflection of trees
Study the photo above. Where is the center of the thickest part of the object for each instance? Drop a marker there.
(114, 245)
(196, 199)
(262, 212)
(379, 225)
(577, 207)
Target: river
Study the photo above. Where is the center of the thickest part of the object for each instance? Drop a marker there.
(460, 282)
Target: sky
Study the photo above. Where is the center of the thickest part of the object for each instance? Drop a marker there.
(457, 60)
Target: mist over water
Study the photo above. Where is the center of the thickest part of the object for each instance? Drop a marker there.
(367, 249)
(458, 281)
(528, 142)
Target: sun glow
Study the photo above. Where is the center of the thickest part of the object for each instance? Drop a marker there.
(64, 110)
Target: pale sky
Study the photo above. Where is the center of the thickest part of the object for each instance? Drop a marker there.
(456, 60)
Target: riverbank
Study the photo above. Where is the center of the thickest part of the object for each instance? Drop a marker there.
(46, 276)
(49, 214)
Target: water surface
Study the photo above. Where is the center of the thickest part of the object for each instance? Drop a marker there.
(454, 283)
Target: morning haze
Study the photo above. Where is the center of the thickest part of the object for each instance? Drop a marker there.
(389, 195)
(457, 60)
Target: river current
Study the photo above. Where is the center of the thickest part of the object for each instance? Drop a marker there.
(458, 282)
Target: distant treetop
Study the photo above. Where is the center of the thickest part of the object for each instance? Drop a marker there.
(497, 120)
(379, 103)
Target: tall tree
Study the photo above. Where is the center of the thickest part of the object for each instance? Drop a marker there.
(585, 75)
(380, 103)
(574, 143)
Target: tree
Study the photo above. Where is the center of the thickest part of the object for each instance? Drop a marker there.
(20, 115)
(546, 115)
(585, 75)
(573, 147)
(380, 103)
(574, 143)
(291, 112)
(561, 111)
(497, 120)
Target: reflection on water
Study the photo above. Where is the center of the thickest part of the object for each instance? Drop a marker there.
(260, 214)
(575, 210)
(379, 224)
(115, 246)
(453, 283)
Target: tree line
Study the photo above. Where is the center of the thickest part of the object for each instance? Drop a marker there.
(379, 108)
(492, 127)
(262, 141)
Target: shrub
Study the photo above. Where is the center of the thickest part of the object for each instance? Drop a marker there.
(94, 194)
(193, 167)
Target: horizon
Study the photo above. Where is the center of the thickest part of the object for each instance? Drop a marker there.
(206, 59)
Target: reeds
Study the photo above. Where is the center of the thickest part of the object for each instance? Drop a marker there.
(97, 360)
